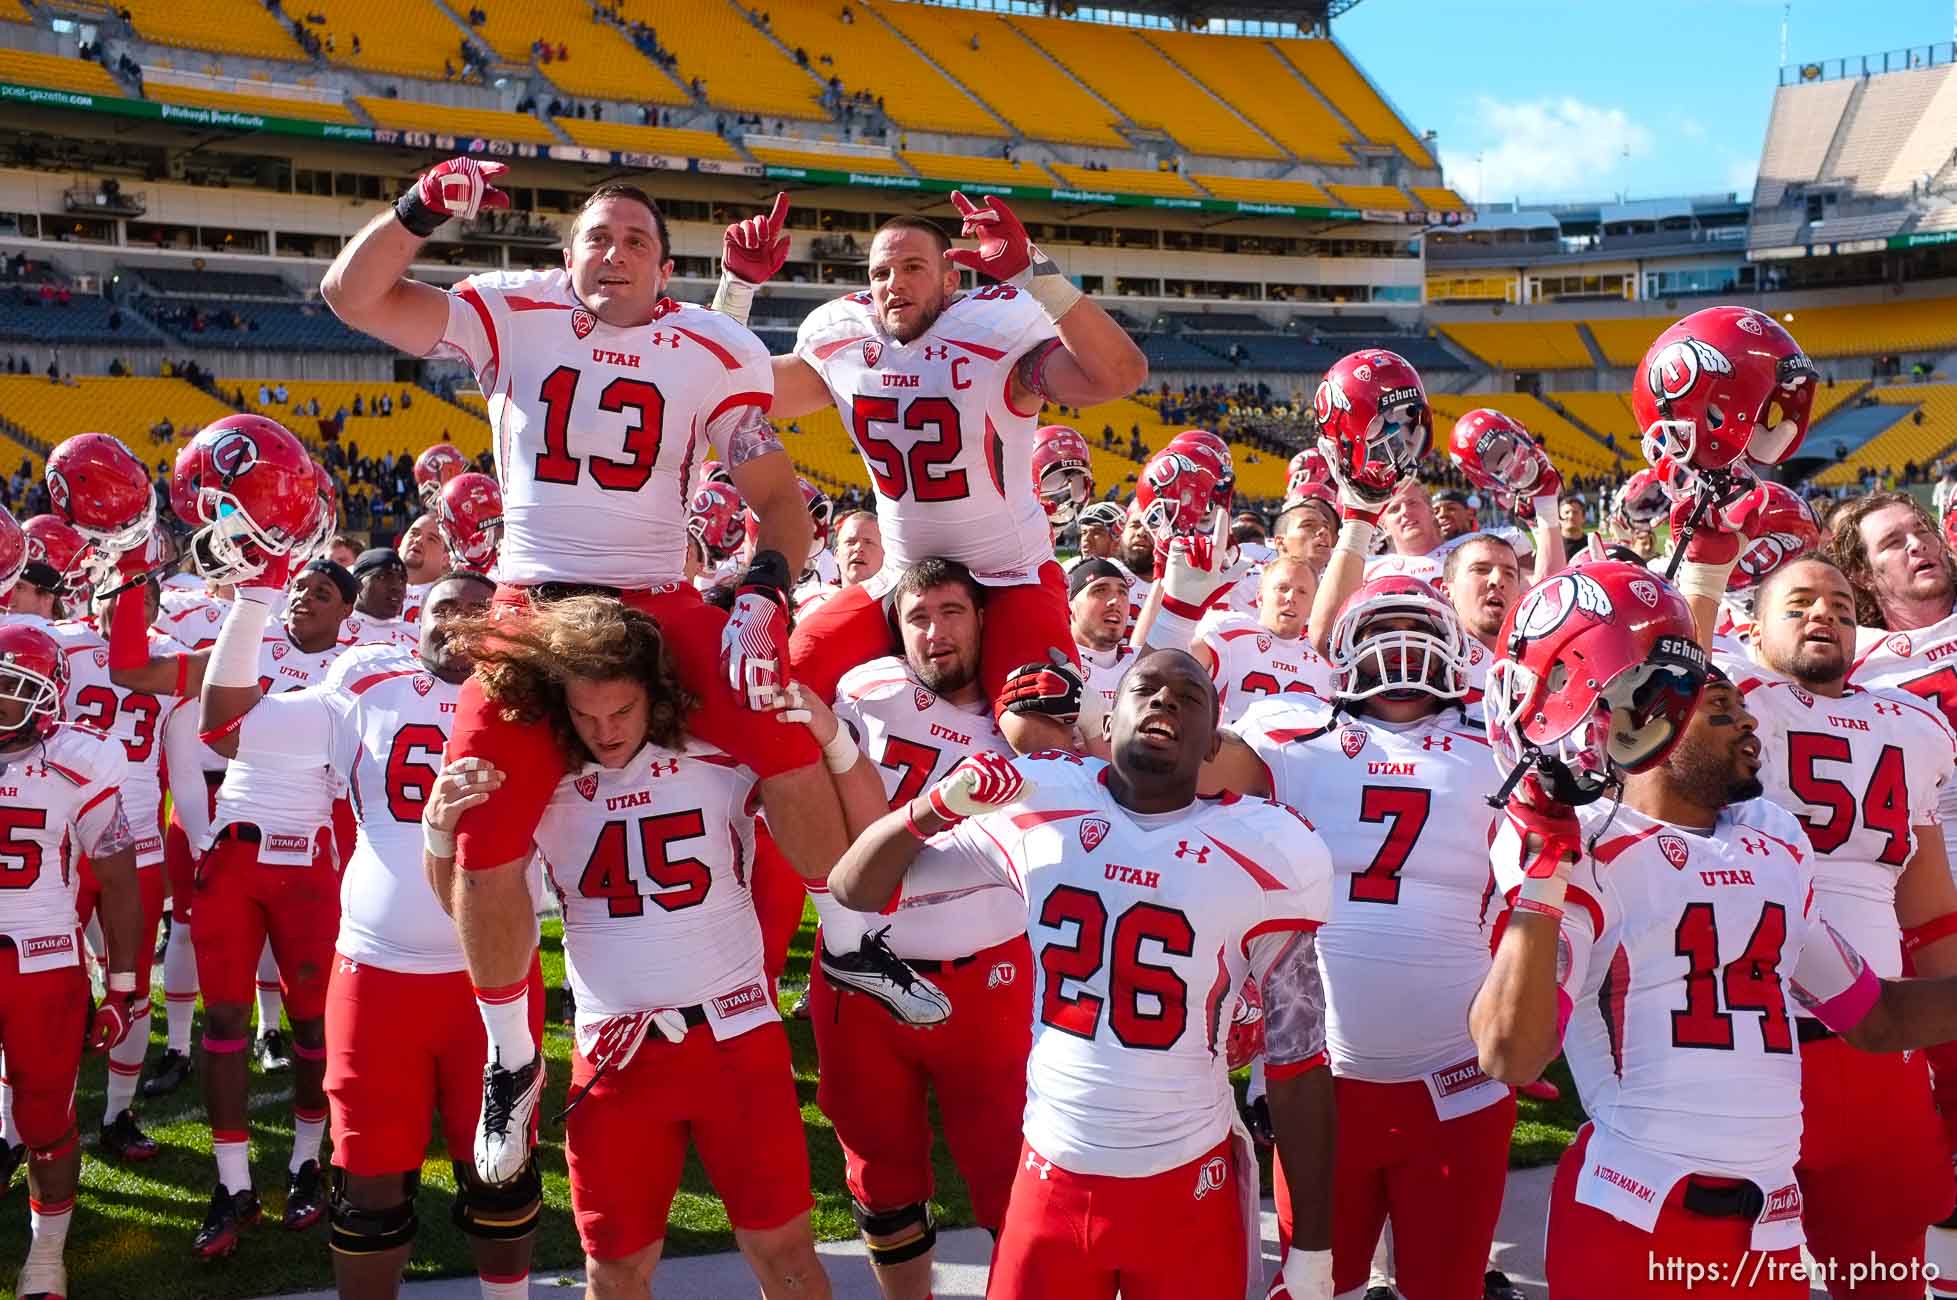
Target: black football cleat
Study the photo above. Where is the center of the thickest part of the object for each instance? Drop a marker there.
(230, 1214)
(124, 1141)
(304, 1203)
(166, 1074)
(273, 1055)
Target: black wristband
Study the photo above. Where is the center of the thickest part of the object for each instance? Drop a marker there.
(768, 569)
(420, 219)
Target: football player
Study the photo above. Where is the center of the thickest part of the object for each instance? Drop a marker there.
(1482, 579)
(376, 617)
(422, 552)
(1262, 655)
(859, 547)
(1098, 604)
(1146, 909)
(1307, 526)
(950, 451)
(678, 1041)
(650, 385)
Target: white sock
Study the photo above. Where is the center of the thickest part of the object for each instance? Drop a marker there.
(1940, 1250)
(8, 1133)
(179, 986)
(271, 1003)
(49, 1225)
(306, 1134)
(506, 1019)
(233, 1164)
(125, 1065)
(517, 1288)
(1257, 1087)
(842, 929)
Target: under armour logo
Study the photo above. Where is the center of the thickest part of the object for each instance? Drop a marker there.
(657, 337)
(1201, 852)
(933, 352)
(1754, 848)
(348, 966)
(1443, 743)
(665, 767)
(1045, 1167)
(1884, 706)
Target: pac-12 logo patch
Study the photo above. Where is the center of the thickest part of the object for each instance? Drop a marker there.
(922, 699)
(1092, 831)
(872, 353)
(1352, 740)
(583, 322)
(586, 786)
(1675, 849)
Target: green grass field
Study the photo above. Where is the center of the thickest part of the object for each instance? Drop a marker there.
(133, 1225)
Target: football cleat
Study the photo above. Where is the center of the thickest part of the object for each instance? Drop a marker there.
(124, 1141)
(304, 1202)
(272, 1054)
(230, 1214)
(166, 1075)
(43, 1281)
(873, 969)
(509, 1104)
(1495, 1285)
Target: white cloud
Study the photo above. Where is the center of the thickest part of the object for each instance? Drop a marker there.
(1542, 149)
(1740, 174)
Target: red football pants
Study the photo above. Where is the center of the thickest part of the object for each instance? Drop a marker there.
(151, 888)
(43, 1020)
(1440, 1182)
(1021, 624)
(242, 902)
(1874, 1172)
(1592, 1255)
(876, 1071)
(527, 755)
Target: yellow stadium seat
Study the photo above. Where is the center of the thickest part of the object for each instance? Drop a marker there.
(1523, 345)
(11, 12)
(410, 430)
(1605, 413)
(1858, 330)
(626, 137)
(1245, 189)
(1624, 342)
(966, 167)
(1388, 197)
(821, 449)
(1905, 440)
(1019, 82)
(1572, 450)
(1334, 77)
(127, 408)
(601, 63)
(1439, 198)
(411, 115)
(311, 110)
(740, 68)
(868, 55)
(408, 38)
(827, 161)
(1124, 69)
(223, 26)
(1124, 180)
(56, 72)
(1247, 74)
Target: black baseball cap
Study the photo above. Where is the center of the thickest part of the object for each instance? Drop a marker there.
(376, 559)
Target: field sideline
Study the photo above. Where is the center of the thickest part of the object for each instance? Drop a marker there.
(133, 1225)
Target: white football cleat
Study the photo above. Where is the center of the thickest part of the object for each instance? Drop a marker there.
(875, 970)
(503, 1131)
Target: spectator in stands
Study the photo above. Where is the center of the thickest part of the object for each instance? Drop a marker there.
(359, 407)
(264, 395)
(1575, 520)
(279, 393)
(356, 42)
(54, 372)
(849, 15)
(407, 399)
(116, 369)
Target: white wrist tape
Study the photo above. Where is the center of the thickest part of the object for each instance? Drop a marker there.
(1707, 580)
(437, 843)
(839, 753)
(234, 658)
(1055, 293)
(734, 297)
(1356, 537)
(1307, 1274)
(1169, 631)
(122, 981)
(1542, 894)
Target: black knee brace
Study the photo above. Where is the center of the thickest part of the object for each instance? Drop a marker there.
(911, 1225)
(498, 1213)
(358, 1231)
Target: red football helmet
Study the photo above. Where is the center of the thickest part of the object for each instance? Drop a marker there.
(1175, 494)
(715, 519)
(435, 467)
(1949, 540)
(1641, 502)
(1307, 467)
(34, 673)
(715, 471)
(1244, 1042)
(1789, 530)
(1374, 425)
(1498, 454)
(1367, 660)
(97, 484)
(249, 484)
(469, 514)
(1225, 467)
(66, 551)
(1063, 473)
(1599, 674)
(13, 553)
(821, 509)
(1722, 383)
(320, 544)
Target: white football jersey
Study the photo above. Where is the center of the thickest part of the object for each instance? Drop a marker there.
(650, 862)
(1101, 674)
(951, 458)
(1425, 568)
(1684, 956)
(411, 605)
(194, 620)
(361, 630)
(915, 737)
(288, 805)
(1253, 661)
(1403, 811)
(1143, 928)
(58, 798)
(1924, 664)
(599, 431)
(133, 717)
(1860, 773)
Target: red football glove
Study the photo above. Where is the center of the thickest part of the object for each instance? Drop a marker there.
(1713, 540)
(1051, 690)
(112, 1021)
(459, 188)
(1003, 251)
(980, 784)
(1552, 840)
(1363, 492)
(1191, 565)
(754, 647)
(754, 250)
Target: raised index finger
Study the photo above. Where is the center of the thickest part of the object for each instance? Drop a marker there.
(779, 213)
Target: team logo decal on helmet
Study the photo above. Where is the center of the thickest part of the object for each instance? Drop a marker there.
(1550, 605)
(1646, 592)
(1676, 369)
(1331, 398)
(58, 490)
(233, 453)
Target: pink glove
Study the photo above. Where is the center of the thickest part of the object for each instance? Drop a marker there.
(459, 188)
(980, 784)
(754, 250)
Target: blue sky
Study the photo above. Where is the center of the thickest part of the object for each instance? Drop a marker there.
(1588, 99)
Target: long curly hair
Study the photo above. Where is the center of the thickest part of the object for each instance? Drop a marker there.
(524, 660)
(1851, 554)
